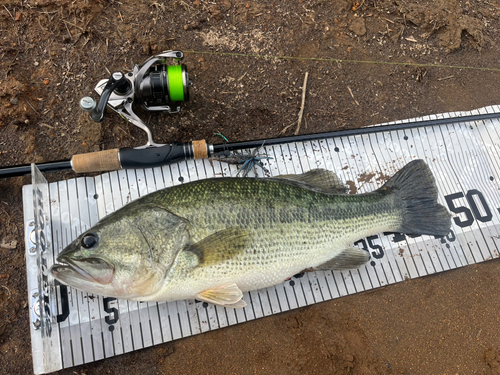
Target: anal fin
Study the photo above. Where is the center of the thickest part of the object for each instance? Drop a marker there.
(227, 295)
(349, 258)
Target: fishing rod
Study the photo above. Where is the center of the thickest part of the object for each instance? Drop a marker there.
(156, 87)
(160, 155)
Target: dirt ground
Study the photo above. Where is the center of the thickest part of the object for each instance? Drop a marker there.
(53, 52)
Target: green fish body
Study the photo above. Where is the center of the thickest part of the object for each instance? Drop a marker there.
(216, 238)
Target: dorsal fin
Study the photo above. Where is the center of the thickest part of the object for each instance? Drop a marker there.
(321, 179)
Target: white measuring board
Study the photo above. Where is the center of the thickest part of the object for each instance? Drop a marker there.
(69, 327)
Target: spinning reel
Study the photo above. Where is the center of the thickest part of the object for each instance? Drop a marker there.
(154, 85)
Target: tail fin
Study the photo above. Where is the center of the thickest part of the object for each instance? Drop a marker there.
(416, 191)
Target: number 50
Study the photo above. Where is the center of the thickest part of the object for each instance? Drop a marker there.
(471, 213)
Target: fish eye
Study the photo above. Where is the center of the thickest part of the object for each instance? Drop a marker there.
(89, 240)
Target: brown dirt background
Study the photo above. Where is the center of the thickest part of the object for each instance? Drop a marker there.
(52, 53)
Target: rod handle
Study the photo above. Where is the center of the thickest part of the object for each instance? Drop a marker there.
(152, 157)
(99, 161)
(200, 149)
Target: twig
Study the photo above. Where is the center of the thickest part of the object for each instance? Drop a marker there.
(243, 76)
(442, 79)
(67, 28)
(187, 7)
(32, 107)
(72, 24)
(67, 73)
(43, 28)
(350, 91)
(8, 290)
(8, 12)
(287, 127)
(301, 112)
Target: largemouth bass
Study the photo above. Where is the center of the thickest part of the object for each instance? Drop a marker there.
(216, 238)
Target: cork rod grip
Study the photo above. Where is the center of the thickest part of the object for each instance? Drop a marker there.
(200, 149)
(99, 161)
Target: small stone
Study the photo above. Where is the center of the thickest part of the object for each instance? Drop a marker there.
(226, 5)
(215, 12)
(358, 27)
(192, 26)
(8, 244)
(146, 48)
(14, 100)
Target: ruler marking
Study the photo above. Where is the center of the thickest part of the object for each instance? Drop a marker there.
(280, 291)
(358, 169)
(481, 242)
(415, 256)
(437, 258)
(127, 192)
(365, 166)
(387, 168)
(468, 256)
(57, 246)
(442, 163)
(325, 162)
(430, 266)
(464, 234)
(458, 259)
(96, 324)
(347, 171)
(422, 153)
(460, 157)
(306, 287)
(387, 245)
(79, 353)
(483, 162)
(422, 262)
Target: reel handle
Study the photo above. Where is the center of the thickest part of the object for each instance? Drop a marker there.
(150, 157)
(118, 82)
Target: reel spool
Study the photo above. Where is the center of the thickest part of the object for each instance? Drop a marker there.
(163, 85)
(154, 85)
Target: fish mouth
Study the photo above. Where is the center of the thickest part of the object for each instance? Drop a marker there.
(89, 270)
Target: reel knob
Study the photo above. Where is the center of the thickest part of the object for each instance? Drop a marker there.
(87, 103)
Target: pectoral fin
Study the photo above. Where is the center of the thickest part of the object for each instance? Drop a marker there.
(220, 246)
(349, 258)
(227, 295)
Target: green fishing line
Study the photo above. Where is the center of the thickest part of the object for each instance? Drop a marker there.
(175, 84)
(343, 61)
